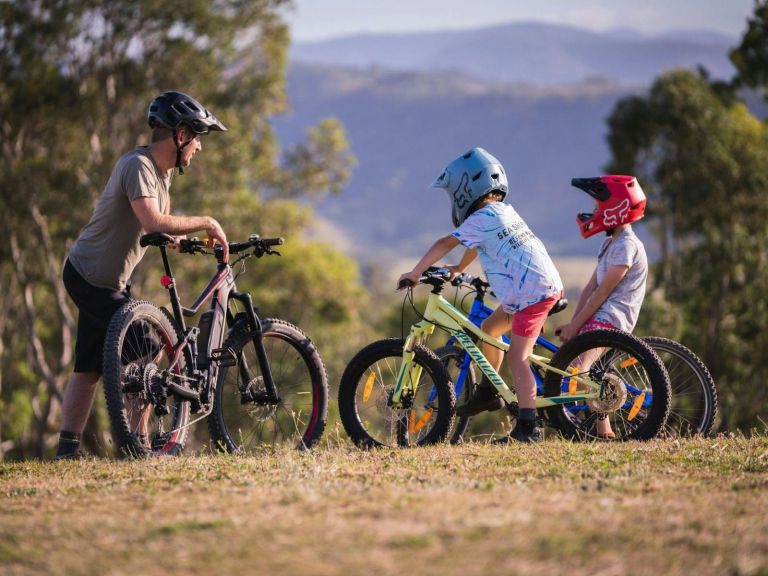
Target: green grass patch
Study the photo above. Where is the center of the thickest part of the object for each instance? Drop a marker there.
(661, 507)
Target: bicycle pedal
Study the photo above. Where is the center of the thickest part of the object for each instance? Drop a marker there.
(224, 357)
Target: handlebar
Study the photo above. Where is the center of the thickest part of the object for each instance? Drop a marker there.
(260, 245)
(432, 276)
(475, 281)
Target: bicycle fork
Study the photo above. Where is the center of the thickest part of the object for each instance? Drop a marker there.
(247, 394)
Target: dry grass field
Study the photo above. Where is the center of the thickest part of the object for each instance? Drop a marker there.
(662, 507)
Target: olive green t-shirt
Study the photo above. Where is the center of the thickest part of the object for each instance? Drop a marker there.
(107, 250)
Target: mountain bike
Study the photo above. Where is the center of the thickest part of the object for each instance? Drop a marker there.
(694, 396)
(398, 392)
(257, 381)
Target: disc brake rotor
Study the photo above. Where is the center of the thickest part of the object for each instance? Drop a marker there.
(613, 395)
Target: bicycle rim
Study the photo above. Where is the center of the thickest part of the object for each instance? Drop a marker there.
(367, 385)
(138, 352)
(241, 422)
(694, 396)
(635, 387)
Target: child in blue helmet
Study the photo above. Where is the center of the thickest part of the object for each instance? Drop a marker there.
(518, 268)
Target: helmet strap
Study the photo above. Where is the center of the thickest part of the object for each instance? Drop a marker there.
(179, 148)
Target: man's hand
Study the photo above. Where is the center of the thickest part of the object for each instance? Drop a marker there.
(176, 239)
(216, 232)
(566, 331)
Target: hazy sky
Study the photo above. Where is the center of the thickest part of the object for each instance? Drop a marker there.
(317, 19)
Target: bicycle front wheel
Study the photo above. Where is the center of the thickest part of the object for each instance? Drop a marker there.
(243, 419)
(634, 387)
(365, 389)
(138, 353)
(694, 396)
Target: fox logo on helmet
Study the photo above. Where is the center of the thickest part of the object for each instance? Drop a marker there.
(612, 217)
(463, 193)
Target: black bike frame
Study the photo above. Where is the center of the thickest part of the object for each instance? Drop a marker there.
(220, 289)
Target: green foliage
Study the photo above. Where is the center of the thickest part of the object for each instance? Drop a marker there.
(702, 161)
(321, 163)
(751, 56)
(77, 79)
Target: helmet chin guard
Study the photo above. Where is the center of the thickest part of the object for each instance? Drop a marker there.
(620, 200)
(469, 178)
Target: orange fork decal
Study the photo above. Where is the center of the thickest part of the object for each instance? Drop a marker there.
(416, 426)
(368, 386)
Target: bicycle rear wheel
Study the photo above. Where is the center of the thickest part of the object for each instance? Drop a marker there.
(694, 396)
(367, 384)
(242, 420)
(635, 389)
(138, 350)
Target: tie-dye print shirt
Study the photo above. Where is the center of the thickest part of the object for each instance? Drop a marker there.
(517, 265)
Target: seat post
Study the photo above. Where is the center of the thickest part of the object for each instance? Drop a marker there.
(170, 284)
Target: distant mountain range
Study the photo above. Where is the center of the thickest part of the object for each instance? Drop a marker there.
(536, 96)
(530, 53)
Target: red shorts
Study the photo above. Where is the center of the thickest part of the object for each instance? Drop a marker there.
(529, 321)
(593, 324)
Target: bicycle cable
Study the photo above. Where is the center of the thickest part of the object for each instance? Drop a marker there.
(419, 315)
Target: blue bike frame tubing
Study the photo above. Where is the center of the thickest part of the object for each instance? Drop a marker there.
(480, 312)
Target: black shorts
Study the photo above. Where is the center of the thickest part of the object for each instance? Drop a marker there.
(96, 307)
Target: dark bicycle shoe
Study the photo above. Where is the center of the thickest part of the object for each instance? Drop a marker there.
(528, 432)
(485, 399)
(76, 455)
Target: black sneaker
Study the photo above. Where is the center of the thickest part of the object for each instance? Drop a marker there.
(76, 455)
(485, 399)
(523, 431)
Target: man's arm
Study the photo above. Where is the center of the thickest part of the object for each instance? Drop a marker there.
(152, 220)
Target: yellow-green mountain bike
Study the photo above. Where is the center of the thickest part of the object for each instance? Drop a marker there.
(397, 392)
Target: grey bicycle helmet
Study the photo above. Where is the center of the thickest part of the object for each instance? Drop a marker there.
(469, 178)
(175, 109)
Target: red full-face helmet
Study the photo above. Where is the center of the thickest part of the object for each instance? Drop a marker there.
(620, 200)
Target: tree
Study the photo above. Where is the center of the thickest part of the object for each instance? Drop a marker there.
(702, 161)
(750, 58)
(77, 77)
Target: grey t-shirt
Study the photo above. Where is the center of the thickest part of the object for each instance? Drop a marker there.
(107, 250)
(623, 305)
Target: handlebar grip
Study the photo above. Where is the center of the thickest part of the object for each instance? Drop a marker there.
(273, 241)
(405, 283)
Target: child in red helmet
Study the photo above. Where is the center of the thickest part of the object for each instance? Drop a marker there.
(614, 294)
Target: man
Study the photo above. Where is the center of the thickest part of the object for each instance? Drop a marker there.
(135, 201)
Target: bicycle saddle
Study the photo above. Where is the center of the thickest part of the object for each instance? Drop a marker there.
(559, 306)
(156, 239)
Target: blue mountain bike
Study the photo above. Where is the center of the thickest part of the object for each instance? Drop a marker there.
(694, 396)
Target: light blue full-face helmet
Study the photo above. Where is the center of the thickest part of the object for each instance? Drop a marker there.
(469, 178)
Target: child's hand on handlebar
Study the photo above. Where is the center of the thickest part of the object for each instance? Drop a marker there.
(455, 270)
(408, 279)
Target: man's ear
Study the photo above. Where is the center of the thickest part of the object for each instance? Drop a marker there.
(182, 135)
